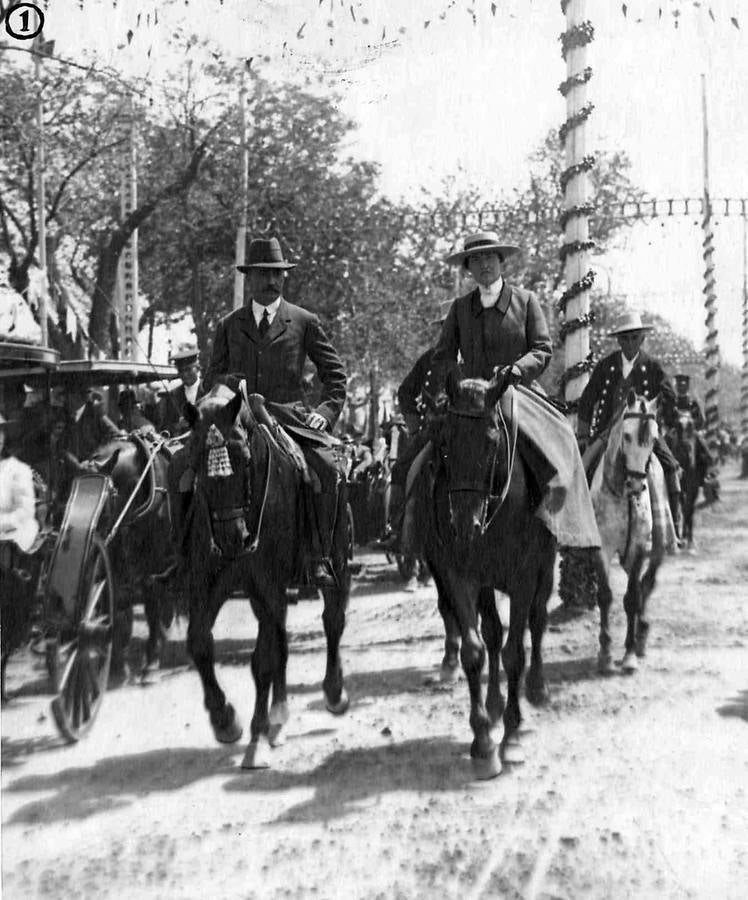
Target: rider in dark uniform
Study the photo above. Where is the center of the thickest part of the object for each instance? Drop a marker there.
(611, 379)
(686, 403)
(418, 386)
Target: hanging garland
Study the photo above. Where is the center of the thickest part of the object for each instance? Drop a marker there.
(584, 284)
(571, 247)
(587, 163)
(575, 324)
(574, 121)
(583, 209)
(575, 81)
(576, 36)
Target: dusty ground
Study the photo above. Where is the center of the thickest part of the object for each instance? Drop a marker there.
(633, 786)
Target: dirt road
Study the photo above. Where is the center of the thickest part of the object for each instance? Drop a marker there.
(633, 786)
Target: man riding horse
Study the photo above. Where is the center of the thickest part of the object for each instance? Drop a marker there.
(610, 381)
(267, 342)
(684, 402)
(412, 396)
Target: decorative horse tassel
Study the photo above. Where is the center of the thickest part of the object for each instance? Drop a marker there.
(219, 464)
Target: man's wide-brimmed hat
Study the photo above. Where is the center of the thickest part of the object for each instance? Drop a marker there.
(481, 240)
(631, 321)
(265, 253)
(184, 355)
(444, 308)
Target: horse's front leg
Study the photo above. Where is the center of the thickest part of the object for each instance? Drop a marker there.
(604, 599)
(226, 727)
(279, 713)
(632, 602)
(513, 657)
(265, 657)
(450, 667)
(483, 751)
(333, 620)
(492, 633)
(649, 579)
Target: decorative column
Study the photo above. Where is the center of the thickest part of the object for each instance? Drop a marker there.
(711, 398)
(577, 587)
(744, 373)
(127, 282)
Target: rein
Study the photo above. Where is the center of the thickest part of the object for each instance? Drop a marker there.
(511, 447)
(144, 508)
(229, 513)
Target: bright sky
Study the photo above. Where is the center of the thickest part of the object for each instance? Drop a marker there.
(472, 100)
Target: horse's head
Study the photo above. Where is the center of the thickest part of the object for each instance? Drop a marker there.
(638, 433)
(220, 458)
(471, 438)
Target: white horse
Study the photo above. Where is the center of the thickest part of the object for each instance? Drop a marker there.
(628, 495)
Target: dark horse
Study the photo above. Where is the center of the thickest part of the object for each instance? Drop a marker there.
(243, 531)
(141, 550)
(683, 442)
(476, 509)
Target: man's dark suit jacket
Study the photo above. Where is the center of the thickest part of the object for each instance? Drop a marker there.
(514, 332)
(171, 408)
(421, 379)
(604, 391)
(274, 365)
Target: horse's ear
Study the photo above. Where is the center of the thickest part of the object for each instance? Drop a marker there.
(107, 467)
(653, 405)
(232, 407)
(631, 397)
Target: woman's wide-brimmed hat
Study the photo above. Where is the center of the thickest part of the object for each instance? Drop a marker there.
(631, 321)
(444, 307)
(265, 253)
(481, 240)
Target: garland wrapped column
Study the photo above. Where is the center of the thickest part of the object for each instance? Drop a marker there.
(577, 582)
(744, 373)
(711, 398)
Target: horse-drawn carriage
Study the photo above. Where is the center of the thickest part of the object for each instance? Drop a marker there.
(60, 596)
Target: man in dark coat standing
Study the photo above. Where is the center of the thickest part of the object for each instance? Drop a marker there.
(610, 381)
(170, 410)
(268, 341)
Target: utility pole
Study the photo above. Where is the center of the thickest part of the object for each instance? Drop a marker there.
(241, 231)
(711, 404)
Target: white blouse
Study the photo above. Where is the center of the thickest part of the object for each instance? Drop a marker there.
(17, 503)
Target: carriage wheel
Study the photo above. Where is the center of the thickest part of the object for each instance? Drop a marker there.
(84, 654)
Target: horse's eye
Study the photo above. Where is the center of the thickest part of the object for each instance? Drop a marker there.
(627, 438)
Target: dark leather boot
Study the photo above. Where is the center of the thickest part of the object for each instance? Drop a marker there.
(390, 540)
(672, 482)
(324, 509)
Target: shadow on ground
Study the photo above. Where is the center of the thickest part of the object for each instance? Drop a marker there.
(115, 781)
(736, 707)
(350, 778)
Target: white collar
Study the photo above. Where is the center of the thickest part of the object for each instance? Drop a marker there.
(190, 393)
(272, 309)
(627, 366)
(489, 296)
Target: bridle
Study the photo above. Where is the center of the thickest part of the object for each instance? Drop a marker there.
(231, 513)
(642, 417)
(487, 497)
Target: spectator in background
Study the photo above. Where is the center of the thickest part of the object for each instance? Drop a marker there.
(131, 417)
(170, 413)
(18, 521)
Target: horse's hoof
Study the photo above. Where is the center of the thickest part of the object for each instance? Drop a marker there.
(641, 649)
(630, 663)
(512, 753)
(537, 694)
(337, 709)
(230, 729)
(449, 674)
(605, 665)
(257, 755)
(276, 737)
(279, 715)
(486, 767)
(411, 585)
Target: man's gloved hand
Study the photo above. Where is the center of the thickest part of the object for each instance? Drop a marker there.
(316, 421)
(506, 376)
